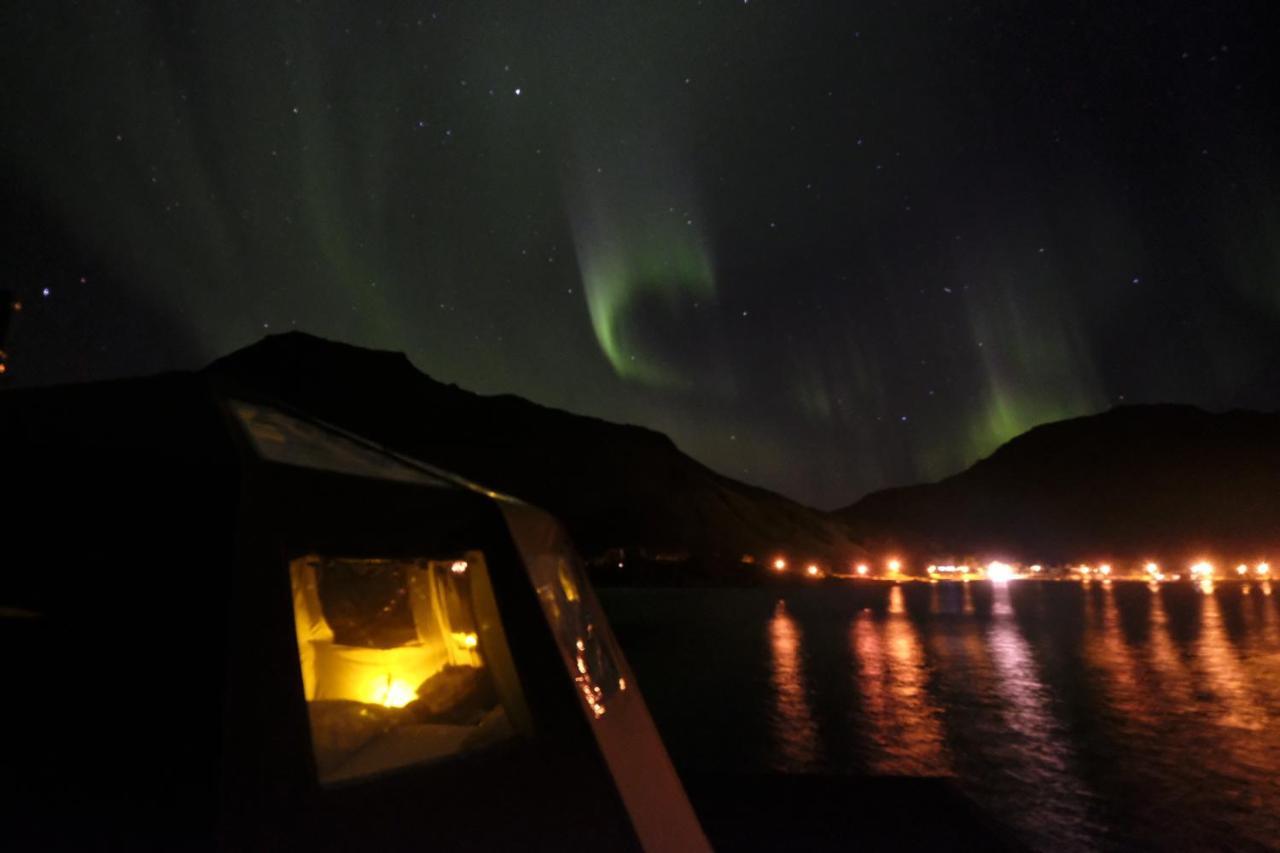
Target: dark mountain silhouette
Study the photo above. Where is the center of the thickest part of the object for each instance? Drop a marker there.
(612, 485)
(1137, 481)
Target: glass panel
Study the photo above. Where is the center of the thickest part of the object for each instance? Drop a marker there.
(282, 438)
(403, 662)
(570, 607)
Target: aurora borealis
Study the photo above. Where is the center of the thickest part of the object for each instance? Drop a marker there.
(826, 248)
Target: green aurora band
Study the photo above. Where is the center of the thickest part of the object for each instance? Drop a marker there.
(636, 259)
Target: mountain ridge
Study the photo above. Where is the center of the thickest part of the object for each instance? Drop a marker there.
(614, 485)
(1134, 479)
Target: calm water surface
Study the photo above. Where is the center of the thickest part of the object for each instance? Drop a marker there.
(1106, 717)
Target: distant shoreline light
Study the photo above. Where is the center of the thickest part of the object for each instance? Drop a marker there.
(1202, 571)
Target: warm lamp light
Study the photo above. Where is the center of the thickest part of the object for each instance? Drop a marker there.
(391, 692)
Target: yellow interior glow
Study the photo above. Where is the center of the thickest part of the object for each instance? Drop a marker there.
(392, 692)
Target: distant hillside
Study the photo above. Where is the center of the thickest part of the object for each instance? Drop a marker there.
(612, 485)
(1134, 481)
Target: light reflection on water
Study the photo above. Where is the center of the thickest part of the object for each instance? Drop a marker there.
(1102, 718)
(901, 722)
(1038, 754)
(793, 729)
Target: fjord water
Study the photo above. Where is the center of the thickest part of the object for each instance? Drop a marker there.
(1099, 717)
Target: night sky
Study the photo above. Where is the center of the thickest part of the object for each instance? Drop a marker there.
(826, 247)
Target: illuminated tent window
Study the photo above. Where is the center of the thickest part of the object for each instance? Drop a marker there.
(403, 662)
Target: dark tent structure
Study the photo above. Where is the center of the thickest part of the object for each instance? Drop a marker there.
(224, 624)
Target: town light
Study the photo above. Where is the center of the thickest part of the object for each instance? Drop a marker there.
(812, 570)
(1202, 569)
(998, 572)
(1263, 570)
(862, 569)
(779, 565)
(1242, 570)
(894, 564)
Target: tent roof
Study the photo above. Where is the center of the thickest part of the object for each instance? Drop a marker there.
(292, 438)
(176, 416)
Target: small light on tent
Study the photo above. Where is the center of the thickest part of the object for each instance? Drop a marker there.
(622, 684)
(469, 640)
(3, 367)
(459, 567)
